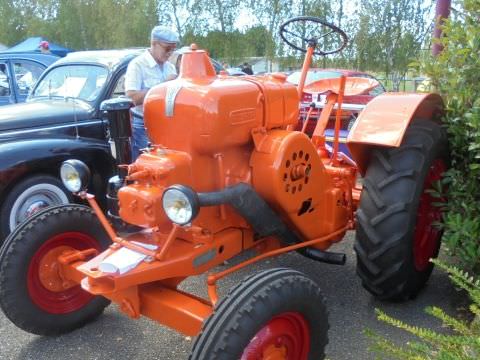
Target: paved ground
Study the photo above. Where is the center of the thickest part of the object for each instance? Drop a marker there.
(113, 336)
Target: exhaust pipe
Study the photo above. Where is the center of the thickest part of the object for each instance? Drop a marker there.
(253, 208)
(117, 113)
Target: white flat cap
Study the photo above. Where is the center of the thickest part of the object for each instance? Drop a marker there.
(163, 33)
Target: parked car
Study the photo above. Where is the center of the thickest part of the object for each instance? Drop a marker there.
(235, 71)
(60, 120)
(314, 96)
(19, 72)
(315, 74)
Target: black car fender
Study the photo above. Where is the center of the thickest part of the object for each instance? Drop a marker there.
(23, 158)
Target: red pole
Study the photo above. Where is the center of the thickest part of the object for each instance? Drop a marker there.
(442, 12)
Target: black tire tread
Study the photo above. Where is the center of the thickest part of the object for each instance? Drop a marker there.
(11, 256)
(230, 312)
(384, 255)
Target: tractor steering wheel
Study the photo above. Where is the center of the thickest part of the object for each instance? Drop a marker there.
(311, 31)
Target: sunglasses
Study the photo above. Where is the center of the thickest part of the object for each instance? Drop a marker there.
(167, 48)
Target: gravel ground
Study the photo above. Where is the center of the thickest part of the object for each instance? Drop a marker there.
(351, 309)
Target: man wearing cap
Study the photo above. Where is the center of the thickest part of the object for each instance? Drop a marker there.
(147, 70)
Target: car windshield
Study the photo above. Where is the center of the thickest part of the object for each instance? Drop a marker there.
(78, 81)
(312, 76)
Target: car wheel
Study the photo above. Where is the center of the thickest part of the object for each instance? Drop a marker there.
(34, 294)
(28, 197)
(275, 314)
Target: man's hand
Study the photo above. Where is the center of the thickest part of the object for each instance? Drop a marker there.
(137, 96)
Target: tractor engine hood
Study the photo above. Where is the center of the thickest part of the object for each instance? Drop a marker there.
(201, 112)
(201, 127)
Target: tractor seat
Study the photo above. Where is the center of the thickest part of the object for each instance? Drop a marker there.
(353, 86)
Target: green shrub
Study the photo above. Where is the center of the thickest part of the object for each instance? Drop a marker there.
(456, 75)
(461, 343)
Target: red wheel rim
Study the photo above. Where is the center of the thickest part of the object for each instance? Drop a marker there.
(58, 302)
(427, 235)
(286, 336)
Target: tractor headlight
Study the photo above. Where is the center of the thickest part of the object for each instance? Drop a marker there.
(181, 204)
(75, 175)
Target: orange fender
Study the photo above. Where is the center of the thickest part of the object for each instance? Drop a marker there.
(384, 120)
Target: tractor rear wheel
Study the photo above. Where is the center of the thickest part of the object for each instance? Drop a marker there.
(275, 314)
(33, 293)
(396, 233)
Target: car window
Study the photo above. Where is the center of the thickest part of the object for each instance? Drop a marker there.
(26, 74)
(377, 90)
(4, 85)
(119, 89)
(79, 81)
(218, 66)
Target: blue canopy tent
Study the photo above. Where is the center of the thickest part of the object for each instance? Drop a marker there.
(31, 45)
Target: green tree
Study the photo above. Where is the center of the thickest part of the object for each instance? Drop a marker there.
(456, 75)
(258, 39)
(11, 28)
(271, 13)
(181, 14)
(81, 24)
(23, 18)
(390, 35)
(218, 16)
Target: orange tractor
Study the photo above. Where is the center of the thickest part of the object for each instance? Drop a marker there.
(226, 173)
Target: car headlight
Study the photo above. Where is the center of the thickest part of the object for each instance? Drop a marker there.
(75, 175)
(180, 203)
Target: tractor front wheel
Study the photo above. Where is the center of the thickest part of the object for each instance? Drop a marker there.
(33, 293)
(397, 232)
(275, 314)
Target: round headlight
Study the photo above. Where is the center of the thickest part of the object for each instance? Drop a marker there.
(180, 203)
(75, 175)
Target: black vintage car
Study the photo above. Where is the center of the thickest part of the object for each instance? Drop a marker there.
(60, 120)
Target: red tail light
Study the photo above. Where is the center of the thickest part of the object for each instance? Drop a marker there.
(307, 97)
